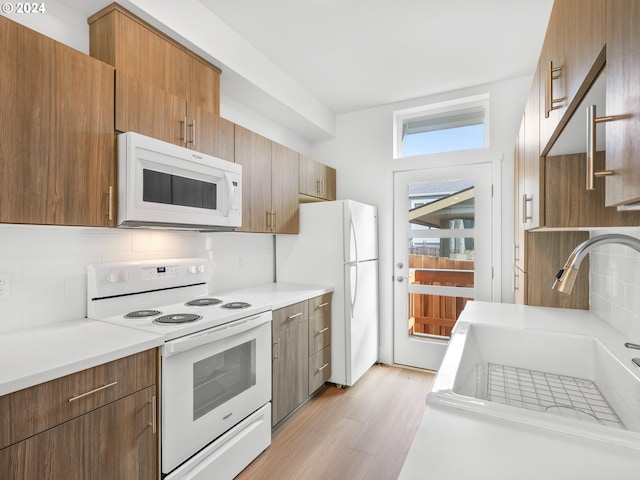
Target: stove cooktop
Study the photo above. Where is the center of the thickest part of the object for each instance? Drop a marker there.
(186, 317)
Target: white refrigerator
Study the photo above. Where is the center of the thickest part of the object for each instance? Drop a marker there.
(338, 246)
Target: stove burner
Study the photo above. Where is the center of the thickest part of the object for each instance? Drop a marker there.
(203, 302)
(142, 313)
(236, 305)
(177, 318)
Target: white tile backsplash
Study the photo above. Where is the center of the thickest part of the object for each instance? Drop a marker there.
(47, 265)
(615, 284)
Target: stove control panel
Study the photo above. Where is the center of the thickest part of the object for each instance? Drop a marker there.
(111, 279)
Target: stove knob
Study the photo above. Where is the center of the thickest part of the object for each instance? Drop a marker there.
(112, 277)
(200, 268)
(193, 269)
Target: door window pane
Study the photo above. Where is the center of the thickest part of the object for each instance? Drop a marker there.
(441, 254)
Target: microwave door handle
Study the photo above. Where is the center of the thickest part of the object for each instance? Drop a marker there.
(227, 198)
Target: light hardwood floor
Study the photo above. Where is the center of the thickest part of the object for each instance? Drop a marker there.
(361, 432)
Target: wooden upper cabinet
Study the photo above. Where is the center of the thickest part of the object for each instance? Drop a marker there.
(121, 39)
(209, 133)
(532, 196)
(162, 89)
(623, 78)
(317, 180)
(284, 189)
(58, 147)
(572, 55)
(253, 152)
(269, 184)
(149, 110)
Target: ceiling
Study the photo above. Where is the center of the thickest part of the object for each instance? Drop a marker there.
(356, 54)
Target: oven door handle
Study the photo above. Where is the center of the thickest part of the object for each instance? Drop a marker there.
(173, 347)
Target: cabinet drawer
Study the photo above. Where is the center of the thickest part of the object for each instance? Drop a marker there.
(32, 410)
(319, 322)
(289, 316)
(319, 332)
(319, 368)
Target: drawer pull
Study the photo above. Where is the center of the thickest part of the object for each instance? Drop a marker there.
(154, 413)
(322, 331)
(294, 315)
(325, 365)
(322, 305)
(73, 399)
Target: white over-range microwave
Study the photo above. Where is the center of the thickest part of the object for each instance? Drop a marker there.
(162, 185)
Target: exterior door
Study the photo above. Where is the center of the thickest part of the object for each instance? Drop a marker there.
(442, 256)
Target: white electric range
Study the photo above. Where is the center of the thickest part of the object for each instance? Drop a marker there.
(216, 361)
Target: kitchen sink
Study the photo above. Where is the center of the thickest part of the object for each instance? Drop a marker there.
(574, 383)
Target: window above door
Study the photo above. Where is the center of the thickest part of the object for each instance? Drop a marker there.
(459, 124)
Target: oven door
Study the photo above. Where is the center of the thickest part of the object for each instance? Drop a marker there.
(212, 380)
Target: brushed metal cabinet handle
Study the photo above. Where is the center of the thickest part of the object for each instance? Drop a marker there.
(82, 395)
(592, 120)
(322, 331)
(322, 367)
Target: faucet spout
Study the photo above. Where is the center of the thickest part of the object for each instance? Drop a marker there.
(566, 277)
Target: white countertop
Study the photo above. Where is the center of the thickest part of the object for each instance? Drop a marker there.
(452, 442)
(278, 294)
(36, 355)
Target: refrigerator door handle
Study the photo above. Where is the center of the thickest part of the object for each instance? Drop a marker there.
(354, 289)
(352, 227)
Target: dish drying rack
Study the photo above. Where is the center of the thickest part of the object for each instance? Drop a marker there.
(562, 395)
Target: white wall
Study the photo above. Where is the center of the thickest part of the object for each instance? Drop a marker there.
(46, 266)
(615, 284)
(362, 152)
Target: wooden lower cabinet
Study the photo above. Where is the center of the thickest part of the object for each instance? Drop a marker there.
(116, 441)
(290, 329)
(301, 353)
(100, 423)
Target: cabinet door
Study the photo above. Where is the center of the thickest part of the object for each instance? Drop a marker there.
(546, 254)
(316, 180)
(290, 376)
(284, 185)
(118, 440)
(532, 203)
(319, 368)
(148, 110)
(623, 78)
(58, 147)
(208, 133)
(253, 152)
(574, 42)
(205, 86)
